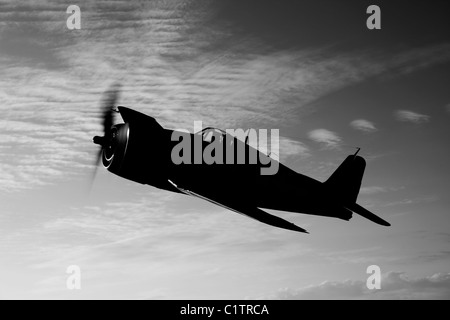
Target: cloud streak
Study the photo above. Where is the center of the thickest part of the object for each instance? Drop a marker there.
(327, 138)
(394, 286)
(363, 125)
(377, 189)
(292, 149)
(55, 86)
(411, 116)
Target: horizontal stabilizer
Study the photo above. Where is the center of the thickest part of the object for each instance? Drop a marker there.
(356, 208)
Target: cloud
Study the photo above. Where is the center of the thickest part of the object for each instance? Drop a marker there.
(394, 286)
(49, 116)
(190, 72)
(325, 137)
(291, 148)
(363, 125)
(377, 189)
(39, 153)
(412, 201)
(161, 240)
(411, 116)
(372, 190)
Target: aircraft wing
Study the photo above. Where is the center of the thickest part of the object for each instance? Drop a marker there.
(249, 211)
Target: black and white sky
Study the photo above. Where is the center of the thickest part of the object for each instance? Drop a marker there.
(311, 69)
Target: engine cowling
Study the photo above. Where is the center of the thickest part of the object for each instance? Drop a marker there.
(115, 151)
(137, 149)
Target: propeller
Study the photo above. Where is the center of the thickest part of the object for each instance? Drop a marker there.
(109, 100)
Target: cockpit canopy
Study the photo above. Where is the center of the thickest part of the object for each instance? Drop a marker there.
(209, 132)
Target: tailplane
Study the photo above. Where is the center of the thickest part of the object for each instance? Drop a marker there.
(356, 208)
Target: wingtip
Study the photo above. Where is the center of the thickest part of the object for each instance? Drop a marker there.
(382, 222)
(298, 229)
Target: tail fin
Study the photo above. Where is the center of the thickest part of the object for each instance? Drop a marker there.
(345, 182)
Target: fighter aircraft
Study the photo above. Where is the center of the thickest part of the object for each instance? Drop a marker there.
(140, 149)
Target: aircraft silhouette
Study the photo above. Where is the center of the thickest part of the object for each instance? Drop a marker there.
(140, 150)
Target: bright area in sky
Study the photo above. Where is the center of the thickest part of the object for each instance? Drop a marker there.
(312, 70)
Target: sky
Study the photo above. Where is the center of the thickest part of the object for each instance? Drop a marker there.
(311, 69)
